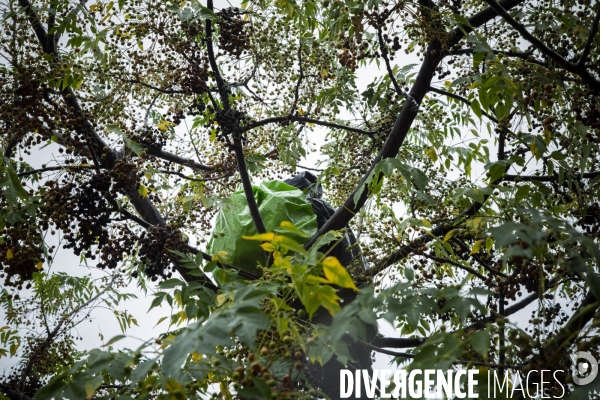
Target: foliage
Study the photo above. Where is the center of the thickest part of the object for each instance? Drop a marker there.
(467, 167)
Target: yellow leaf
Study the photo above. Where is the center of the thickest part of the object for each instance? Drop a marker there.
(105, 18)
(337, 274)
(300, 112)
(162, 127)
(110, 6)
(323, 73)
(489, 242)
(172, 385)
(288, 226)
(161, 320)
(261, 237)
(268, 247)
(143, 191)
(220, 256)
(39, 265)
(448, 235)
(432, 154)
(447, 83)
(9, 254)
(476, 247)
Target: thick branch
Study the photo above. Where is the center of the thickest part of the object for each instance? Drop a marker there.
(212, 60)
(247, 185)
(143, 205)
(407, 115)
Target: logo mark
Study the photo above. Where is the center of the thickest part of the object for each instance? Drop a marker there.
(584, 372)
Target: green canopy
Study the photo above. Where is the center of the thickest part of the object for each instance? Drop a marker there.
(277, 201)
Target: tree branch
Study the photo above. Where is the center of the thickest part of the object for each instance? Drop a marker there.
(58, 168)
(174, 158)
(458, 265)
(525, 56)
(384, 54)
(404, 121)
(223, 91)
(189, 178)
(576, 69)
(299, 82)
(588, 45)
(460, 98)
(37, 350)
(247, 185)
(298, 118)
(546, 178)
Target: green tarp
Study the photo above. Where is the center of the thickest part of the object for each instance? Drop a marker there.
(277, 202)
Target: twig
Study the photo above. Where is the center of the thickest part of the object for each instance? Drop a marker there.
(58, 168)
(590, 39)
(384, 54)
(546, 178)
(457, 362)
(458, 265)
(298, 82)
(525, 56)
(577, 69)
(460, 98)
(289, 118)
(189, 178)
(174, 158)
(48, 341)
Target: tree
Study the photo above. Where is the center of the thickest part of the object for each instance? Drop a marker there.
(470, 180)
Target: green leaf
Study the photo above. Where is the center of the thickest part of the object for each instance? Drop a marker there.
(142, 370)
(481, 342)
(90, 385)
(13, 189)
(337, 274)
(114, 339)
(476, 108)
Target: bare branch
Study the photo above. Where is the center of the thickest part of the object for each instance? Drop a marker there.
(174, 158)
(546, 178)
(189, 178)
(298, 82)
(298, 118)
(70, 168)
(384, 54)
(247, 185)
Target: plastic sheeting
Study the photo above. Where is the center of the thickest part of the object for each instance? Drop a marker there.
(277, 201)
